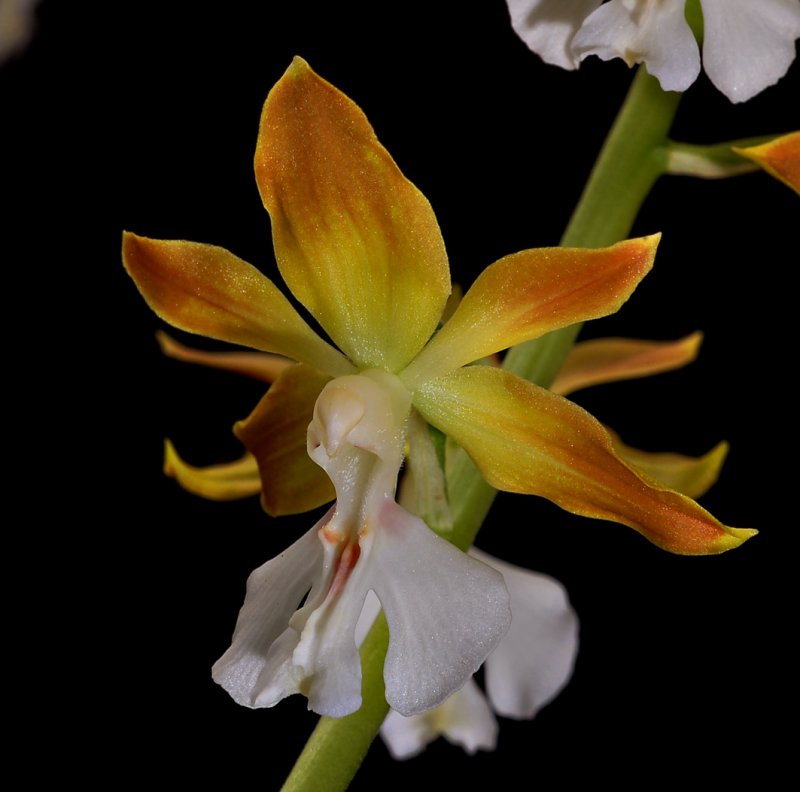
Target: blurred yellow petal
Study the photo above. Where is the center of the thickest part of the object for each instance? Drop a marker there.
(692, 476)
(207, 290)
(611, 359)
(779, 157)
(258, 365)
(355, 241)
(526, 439)
(527, 294)
(230, 481)
(275, 433)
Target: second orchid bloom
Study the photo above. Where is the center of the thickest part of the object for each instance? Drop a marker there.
(359, 246)
(746, 45)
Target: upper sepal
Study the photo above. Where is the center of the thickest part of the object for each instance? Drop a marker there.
(355, 241)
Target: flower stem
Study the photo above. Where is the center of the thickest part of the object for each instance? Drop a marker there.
(633, 157)
(337, 746)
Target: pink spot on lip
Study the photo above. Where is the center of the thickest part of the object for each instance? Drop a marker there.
(344, 566)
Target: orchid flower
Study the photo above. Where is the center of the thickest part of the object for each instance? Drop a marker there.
(535, 658)
(747, 46)
(358, 245)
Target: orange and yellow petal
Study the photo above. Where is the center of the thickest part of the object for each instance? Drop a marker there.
(692, 476)
(780, 158)
(356, 242)
(612, 359)
(207, 290)
(528, 294)
(275, 434)
(258, 365)
(526, 439)
(229, 481)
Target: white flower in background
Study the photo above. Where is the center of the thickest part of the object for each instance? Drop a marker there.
(529, 667)
(748, 45)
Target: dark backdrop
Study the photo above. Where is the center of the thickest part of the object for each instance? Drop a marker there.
(144, 116)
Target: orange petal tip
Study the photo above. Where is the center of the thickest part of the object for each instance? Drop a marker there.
(779, 157)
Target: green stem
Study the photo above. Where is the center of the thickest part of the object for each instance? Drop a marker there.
(337, 746)
(631, 160)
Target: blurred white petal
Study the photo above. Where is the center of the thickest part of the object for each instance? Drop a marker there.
(465, 719)
(534, 661)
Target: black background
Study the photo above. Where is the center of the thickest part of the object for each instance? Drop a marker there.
(144, 116)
